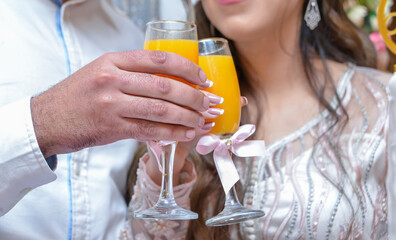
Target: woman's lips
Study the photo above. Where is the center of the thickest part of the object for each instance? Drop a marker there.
(226, 2)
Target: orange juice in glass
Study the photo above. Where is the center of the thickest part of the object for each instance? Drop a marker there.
(185, 47)
(219, 68)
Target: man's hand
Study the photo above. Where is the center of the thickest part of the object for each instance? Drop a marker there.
(117, 97)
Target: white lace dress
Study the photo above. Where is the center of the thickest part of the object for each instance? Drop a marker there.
(301, 186)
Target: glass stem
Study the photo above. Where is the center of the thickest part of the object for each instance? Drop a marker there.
(232, 198)
(167, 159)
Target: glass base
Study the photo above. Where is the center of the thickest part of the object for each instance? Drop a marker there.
(233, 214)
(160, 211)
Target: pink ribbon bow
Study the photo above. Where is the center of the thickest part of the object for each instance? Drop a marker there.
(155, 147)
(222, 152)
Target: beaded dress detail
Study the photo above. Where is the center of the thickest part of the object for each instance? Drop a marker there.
(315, 186)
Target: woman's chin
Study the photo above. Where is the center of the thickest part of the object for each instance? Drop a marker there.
(240, 34)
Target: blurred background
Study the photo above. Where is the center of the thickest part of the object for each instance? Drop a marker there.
(363, 13)
(143, 11)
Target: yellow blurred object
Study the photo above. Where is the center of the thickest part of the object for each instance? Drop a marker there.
(383, 20)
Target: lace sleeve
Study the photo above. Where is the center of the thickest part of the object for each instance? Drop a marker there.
(146, 194)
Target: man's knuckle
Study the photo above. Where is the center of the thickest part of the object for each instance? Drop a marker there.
(159, 109)
(104, 76)
(158, 57)
(105, 100)
(163, 85)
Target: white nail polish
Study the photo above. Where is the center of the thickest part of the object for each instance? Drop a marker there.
(210, 83)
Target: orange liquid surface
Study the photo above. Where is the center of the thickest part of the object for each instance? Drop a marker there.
(183, 47)
(221, 70)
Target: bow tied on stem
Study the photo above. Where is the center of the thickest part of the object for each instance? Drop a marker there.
(223, 149)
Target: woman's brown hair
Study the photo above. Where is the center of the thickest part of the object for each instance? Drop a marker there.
(336, 38)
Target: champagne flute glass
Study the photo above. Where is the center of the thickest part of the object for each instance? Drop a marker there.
(181, 38)
(216, 61)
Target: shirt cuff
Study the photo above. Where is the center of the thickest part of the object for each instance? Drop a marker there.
(22, 164)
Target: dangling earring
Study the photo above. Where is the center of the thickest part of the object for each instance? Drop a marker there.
(312, 14)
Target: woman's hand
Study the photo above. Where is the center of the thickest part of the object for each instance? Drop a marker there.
(184, 148)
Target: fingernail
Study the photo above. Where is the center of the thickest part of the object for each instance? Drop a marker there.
(206, 102)
(202, 76)
(208, 126)
(201, 122)
(190, 134)
(245, 100)
(207, 84)
(215, 99)
(216, 111)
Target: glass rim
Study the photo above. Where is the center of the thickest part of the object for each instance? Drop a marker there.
(213, 39)
(191, 25)
(214, 46)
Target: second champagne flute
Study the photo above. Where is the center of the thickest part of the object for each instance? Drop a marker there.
(216, 61)
(181, 38)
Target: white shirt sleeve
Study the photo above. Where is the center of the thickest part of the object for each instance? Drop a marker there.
(22, 165)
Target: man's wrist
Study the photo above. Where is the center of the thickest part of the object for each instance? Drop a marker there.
(39, 127)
